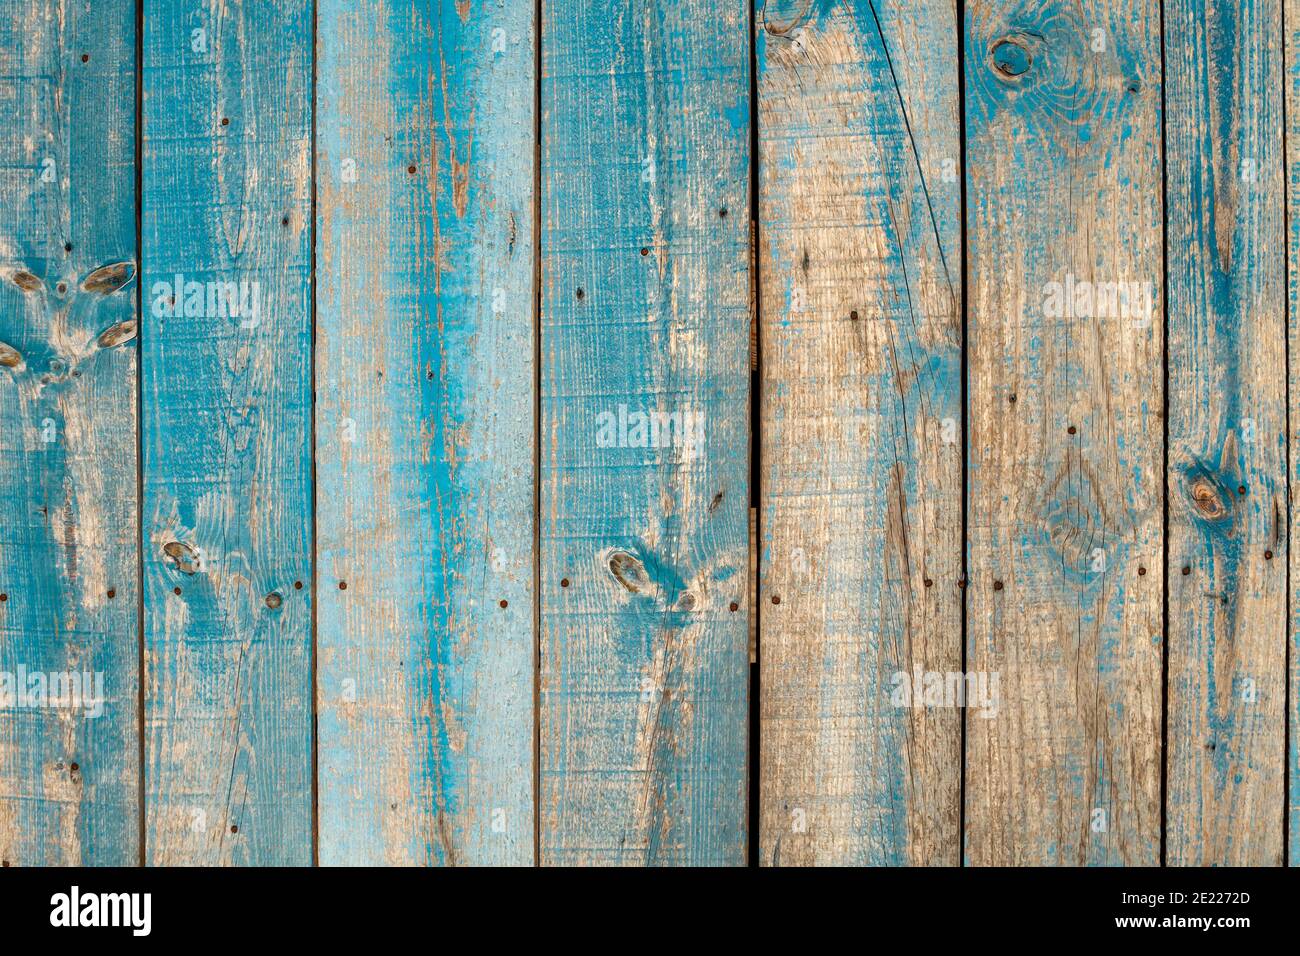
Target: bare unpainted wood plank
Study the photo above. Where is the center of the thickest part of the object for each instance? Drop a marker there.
(69, 767)
(226, 432)
(861, 478)
(424, 425)
(644, 432)
(1226, 484)
(1065, 467)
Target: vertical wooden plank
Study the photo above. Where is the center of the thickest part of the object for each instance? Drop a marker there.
(1227, 432)
(860, 209)
(69, 771)
(1291, 104)
(425, 431)
(644, 431)
(1065, 447)
(226, 432)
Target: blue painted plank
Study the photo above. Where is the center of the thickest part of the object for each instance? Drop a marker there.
(425, 432)
(69, 768)
(1064, 452)
(1227, 481)
(860, 256)
(1291, 21)
(644, 432)
(226, 394)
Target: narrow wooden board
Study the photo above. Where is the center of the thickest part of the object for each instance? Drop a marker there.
(226, 433)
(1291, 103)
(425, 432)
(644, 541)
(1065, 466)
(861, 478)
(1227, 485)
(69, 571)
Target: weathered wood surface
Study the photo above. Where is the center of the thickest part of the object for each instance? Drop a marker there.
(1065, 470)
(1291, 100)
(643, 527)
(226, 432)
(1227, 432)
(425, 432)
(446, 548)
(861, 477)
(69, 774)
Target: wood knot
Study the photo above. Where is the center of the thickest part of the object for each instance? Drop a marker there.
(1010, 58)
(1206, 499)
(782, 18)
(185, 557)
(10, 357)
(628, 571)
(108, 279)
(27, 282)
(117, 334)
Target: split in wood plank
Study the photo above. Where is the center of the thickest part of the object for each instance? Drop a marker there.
(861, 477)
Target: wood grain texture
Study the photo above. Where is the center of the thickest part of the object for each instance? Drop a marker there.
(860, 250)
(68, 548)
(411, 598)
(226, 432)
(1065, 445)
(1291, 103)
(425, 431)
(1227, 433)
(644, 432)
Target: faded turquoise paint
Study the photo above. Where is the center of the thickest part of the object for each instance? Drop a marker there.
(1227, 488)
(426, 455)
(1064, 457)
(645, 289)
(68, 566)
(1291, 19)
(226, 432)
(860, 207)
(424, 425)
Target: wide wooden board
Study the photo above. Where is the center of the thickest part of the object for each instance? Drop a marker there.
(861, 475)
(425, 432)
(644, 665)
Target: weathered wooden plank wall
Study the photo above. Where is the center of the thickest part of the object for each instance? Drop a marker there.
(644, 431)
(1065, 449)
(424, 425)
(226, 393)
(860, 252)
(69, 791)
(446, 544)
(1227, 482)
